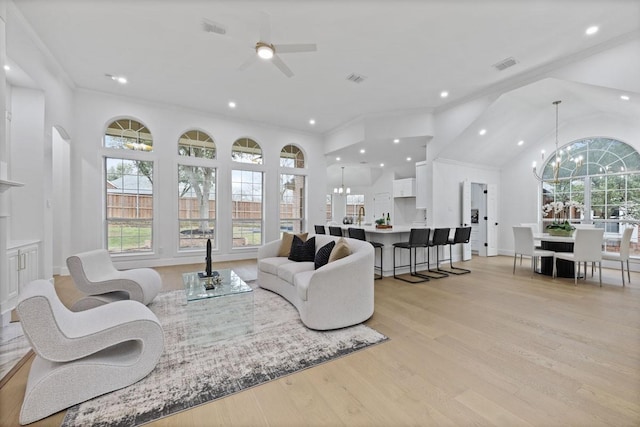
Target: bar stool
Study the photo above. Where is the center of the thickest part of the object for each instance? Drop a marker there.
(418, 238)
(358, 233)
(319, 229)
(440, 238)
(335, 231)
(462, 235)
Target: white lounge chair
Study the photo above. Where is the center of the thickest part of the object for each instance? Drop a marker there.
(83, 355)
(94, 274)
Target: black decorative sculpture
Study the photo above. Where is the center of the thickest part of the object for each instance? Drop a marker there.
(208, 273)
(208, 258)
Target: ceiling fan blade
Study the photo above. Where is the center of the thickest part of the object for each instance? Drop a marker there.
(247, 63)
(265, 27)
(296, 47)
(281, 66)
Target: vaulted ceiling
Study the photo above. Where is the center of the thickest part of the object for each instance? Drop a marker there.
(408, 52)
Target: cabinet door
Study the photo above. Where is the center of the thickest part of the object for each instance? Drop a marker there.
(397, 188)
(30, 265)
(13, 263)
(421, 185)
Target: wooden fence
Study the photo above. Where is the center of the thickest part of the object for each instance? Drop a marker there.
(133, 206)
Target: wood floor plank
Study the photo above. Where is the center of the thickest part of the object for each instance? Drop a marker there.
(486, 348)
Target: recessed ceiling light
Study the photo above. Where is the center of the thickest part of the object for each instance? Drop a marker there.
(591, 30)
(337, 159)
(624, 97)
(120, 79)
(395, 141)
(408, 159)
(444, 94)
(381, 165)
(482, 132)
(7, 68)
(312, 121)
(232, 104)
(520, 142)
(362, 151)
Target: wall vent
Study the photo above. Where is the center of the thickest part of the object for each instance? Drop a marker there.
(505, 63)
(213, 27)
(356, 78)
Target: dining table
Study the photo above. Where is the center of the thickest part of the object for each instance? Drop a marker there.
(564, 268)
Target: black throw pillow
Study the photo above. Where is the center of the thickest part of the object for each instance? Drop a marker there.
(322, 256)
(302, 251)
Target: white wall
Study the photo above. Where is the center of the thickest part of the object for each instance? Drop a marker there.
(57, 95)
(95, 111)
(447, 187)
(26, 164)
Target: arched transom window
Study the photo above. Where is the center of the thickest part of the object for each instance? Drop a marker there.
(195, 143)
(246, 150)
(603, 174)
(128, 134)
(291, 156)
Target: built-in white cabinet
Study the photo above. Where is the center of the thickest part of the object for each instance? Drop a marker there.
(404, 187)
(421, 185)
(23, 267)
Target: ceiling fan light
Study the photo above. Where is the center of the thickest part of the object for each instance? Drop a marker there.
(265, 51)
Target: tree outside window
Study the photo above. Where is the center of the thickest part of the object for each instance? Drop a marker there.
(292, 203)
(196, 191)
(246, 207)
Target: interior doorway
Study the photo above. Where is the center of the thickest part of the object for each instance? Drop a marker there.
(478, 219)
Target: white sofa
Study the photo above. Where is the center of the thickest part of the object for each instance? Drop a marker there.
(336, 295)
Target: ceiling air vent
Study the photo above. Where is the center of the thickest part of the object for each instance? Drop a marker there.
(356, 78)
(505, 63)
(213, 27)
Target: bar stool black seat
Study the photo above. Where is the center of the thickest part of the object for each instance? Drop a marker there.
(418, 238)
(461, 236)
(335, 231)
(440, 238)
(358, 233)
(319, 229)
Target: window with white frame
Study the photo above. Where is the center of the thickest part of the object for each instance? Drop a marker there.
(603, 175)
(354, 203)
(246, 150)
(246, 207)
(291, 156)
(292, 203)
(196, 191)
(128, 134)
(128, 186)
(129, 205)
(329, 207)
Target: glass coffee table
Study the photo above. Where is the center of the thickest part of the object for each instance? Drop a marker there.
(229, 283)
(226, 309)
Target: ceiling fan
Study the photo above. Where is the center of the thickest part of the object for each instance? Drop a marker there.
(270, 52)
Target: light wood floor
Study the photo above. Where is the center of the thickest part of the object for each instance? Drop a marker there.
(486, 348)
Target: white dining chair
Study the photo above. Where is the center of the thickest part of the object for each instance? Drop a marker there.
(586, 248)
(535, 227)
(623, 255)
(524, 245)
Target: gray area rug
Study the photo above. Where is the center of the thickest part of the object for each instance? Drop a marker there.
(217, 347)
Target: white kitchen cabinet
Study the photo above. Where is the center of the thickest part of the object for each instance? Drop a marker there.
(404, 187)
(23, 266)
(421, 185)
